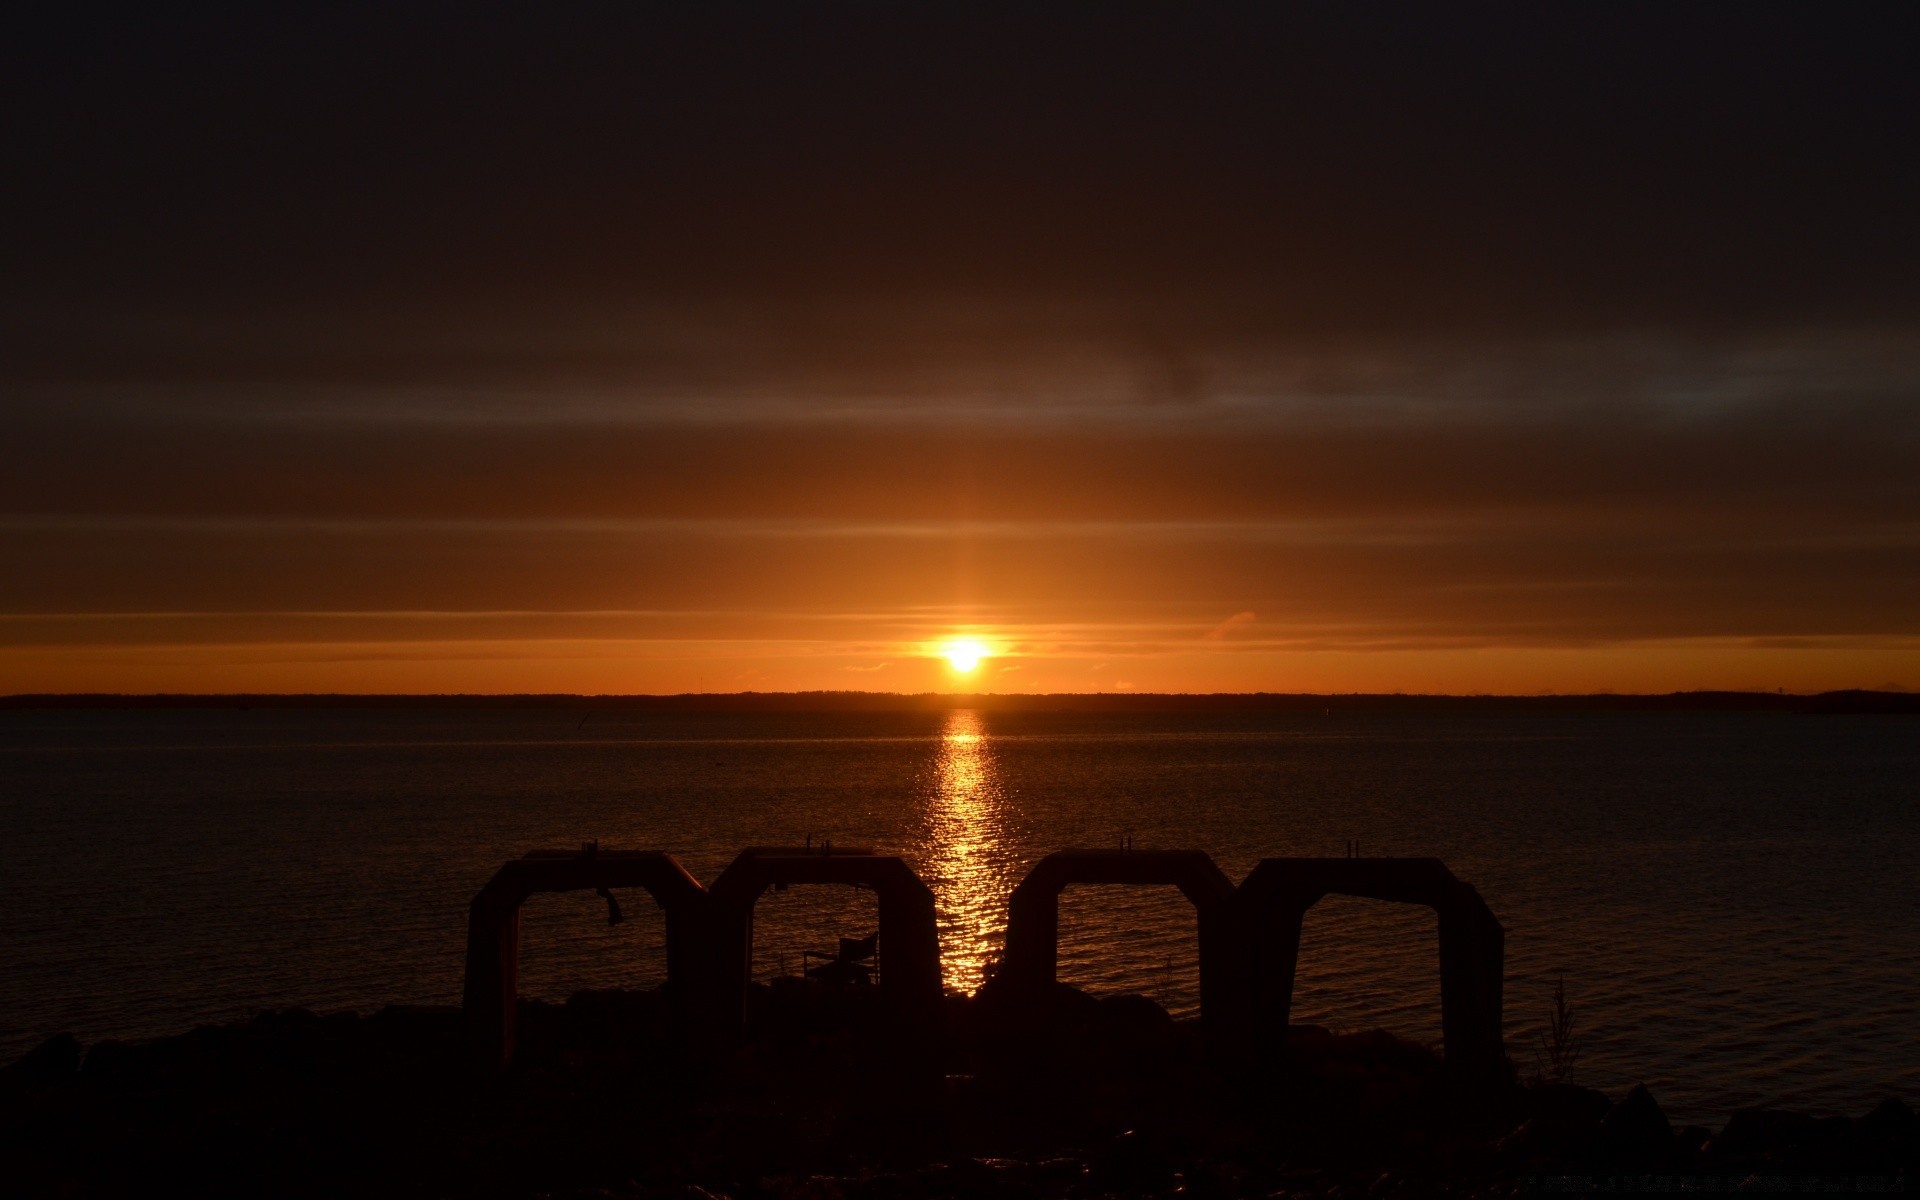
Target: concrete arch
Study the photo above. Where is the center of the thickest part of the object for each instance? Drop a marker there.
(1032, 960)
(1275, 898)
(909, 949)
(491, 989)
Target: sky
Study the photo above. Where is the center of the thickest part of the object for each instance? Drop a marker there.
(774, 347)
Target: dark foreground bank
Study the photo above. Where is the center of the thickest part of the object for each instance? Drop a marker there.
(1109, 1098)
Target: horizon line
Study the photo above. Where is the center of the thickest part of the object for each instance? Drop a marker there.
(1701, 697)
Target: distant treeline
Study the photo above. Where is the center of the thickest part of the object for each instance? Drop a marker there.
(1094, 702)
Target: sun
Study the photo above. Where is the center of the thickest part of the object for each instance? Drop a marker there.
(964, 654)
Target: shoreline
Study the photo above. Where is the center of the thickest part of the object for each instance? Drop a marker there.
(818, 1100)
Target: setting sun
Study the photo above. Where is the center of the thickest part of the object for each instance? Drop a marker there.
(964, 654)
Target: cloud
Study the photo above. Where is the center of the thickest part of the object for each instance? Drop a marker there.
(1227, 627)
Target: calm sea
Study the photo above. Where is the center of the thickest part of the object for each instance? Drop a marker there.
(1731, 900)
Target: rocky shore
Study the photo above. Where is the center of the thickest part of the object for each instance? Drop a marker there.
(1108, 1097)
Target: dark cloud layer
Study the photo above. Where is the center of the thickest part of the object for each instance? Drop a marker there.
(1360, 166)
(1801, 451)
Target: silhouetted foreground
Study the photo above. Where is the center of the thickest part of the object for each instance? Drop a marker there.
(1249, 938)
(837, 1087)
(1105, 1097)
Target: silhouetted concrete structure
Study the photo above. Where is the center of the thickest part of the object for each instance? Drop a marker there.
(1249, 937)
(1276, 896)
(493, 930)
(1032, 959)
(909, 949)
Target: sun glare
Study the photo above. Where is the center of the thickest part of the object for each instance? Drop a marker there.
(964, 654)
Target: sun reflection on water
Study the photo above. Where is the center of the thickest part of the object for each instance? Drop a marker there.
(966, 851)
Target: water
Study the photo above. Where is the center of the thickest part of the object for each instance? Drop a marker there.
(1730, 899)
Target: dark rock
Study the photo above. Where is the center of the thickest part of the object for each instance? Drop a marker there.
(1764, 1135)
(1798, 1141)
(962, 1179)
(1135, 1015)
(603, 1102)
(1204, 1180)
(108, 1058)
(1054, 1175)
(1565, 1102)
(1892, 1131)
(1554, 1141)
(813, 1187)
(1688, 1140)
(1130, 1165)
(999, 1009)
(1636, 1131)
(54, 1059)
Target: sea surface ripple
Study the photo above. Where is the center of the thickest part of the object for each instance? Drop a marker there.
(1730, 900)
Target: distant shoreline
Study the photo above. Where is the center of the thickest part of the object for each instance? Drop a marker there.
(1838, 702)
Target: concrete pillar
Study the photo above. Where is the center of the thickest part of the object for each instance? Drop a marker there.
(1274, 900)
(490, 993)
(1030, 965)
(909, 950)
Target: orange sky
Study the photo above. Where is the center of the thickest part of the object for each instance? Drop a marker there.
(654, 349)
(1339, 524)
(611, 667)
